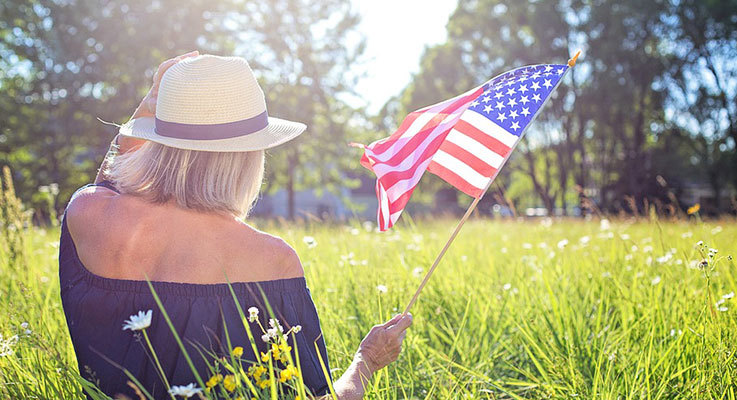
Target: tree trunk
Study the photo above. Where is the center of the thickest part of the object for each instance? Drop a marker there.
(637, 163)
(291, 170)
(542, 191)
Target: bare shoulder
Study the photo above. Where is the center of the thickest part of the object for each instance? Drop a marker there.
(275, 252)
(88, 204)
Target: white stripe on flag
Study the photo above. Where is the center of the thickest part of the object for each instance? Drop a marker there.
(400, 187)
(395, 216)
(380, 169)
(461, 169)
(383, 205)
(485, 125)
(474, 147)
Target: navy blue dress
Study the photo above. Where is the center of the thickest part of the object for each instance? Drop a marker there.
(96, 308)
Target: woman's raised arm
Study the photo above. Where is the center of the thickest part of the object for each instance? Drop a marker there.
(147, 108)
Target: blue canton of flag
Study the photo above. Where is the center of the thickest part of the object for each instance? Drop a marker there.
(512, 100)
(488, 130)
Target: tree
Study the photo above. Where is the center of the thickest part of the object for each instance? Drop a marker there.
(303, 53)
(650, 71)
(703, 78)
(488, 37)
(69, 62)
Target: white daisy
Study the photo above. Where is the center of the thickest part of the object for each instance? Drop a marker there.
(252, 314)
(309, 241)
(274, 324)
(184, 391)
(138, 322)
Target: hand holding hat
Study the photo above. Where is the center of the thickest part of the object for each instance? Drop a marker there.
(147, 107)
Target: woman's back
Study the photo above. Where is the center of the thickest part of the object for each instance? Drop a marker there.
(126, 237)
(110, 243)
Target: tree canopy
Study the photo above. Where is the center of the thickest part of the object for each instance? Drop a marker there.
(647, 114)
(648, 110)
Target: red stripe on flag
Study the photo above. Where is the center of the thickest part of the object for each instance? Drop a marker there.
(386, 144)
(392, 177)
(491, 143)
(455, 180)
(467, 158)
(401, 201)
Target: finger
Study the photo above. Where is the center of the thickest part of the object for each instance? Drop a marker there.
(392, 321)
(402, 324)
(193, 53)
(168, 64)
(162, 68)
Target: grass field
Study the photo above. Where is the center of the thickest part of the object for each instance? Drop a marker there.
(537, 309)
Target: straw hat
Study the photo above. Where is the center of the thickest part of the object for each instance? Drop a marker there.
(212, 103)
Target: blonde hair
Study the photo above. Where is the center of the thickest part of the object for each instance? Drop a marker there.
(201, 180)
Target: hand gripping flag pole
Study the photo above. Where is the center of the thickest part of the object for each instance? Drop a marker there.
(470, 210)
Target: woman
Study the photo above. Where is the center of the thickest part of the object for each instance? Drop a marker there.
(167, 206)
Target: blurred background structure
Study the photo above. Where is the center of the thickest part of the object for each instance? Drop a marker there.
(646, 121)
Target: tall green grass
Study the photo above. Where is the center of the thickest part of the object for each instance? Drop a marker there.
(516, 310)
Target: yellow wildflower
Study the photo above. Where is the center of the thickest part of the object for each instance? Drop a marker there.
(275, 351)
(256, 371)
(293, 371)
(238, 351)
(281, 351)
(284, 350)
(288, 373)
(297, 397)
(213, 381)
(264, 383)
(265, 356)
(694, 209)
(229, 383)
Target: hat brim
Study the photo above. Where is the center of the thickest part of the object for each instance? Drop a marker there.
(277, 132)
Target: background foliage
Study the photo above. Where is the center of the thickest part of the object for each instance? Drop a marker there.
(647, 115)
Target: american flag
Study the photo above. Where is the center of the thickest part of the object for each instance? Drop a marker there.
(465, 140)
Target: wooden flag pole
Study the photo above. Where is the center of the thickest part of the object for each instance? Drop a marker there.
(472, 207)
(447, 244)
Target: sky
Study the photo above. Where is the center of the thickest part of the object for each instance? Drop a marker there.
(389, 67)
